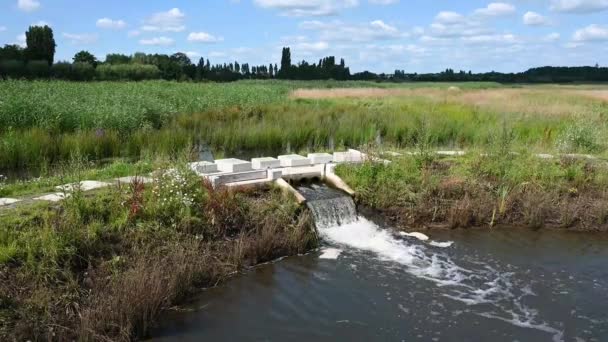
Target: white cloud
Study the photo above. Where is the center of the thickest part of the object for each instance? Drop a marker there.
(107, 23)
(203, 37)
(80, 38)
(489, 39)
(552, 37)
(2, 28)
(447, 17)
(591, 33)
(133, 33)
(300, 8)
(579, 6)
(383, 2)
(193, 54)
(41, 23)
(495, 9)
(170, 21)
(535, 19)
(28, 5)
(157, 41)
(339, 31)
(21, 40)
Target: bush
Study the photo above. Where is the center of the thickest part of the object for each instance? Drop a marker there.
(38, 69)
(132, 72)
(62, 70)
(82, 72)
(12, 69)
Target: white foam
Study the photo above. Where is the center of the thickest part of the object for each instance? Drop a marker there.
(330, 253)
(484, 285)
(441, 244)
(419, 236)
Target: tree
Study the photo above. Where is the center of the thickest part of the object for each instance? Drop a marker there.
(85, 57)
(285, 71)
(40, 44)
(117, 58)
(12, 52)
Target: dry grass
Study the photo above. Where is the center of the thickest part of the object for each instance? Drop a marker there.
(552, 101)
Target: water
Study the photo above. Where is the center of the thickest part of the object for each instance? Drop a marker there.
(369, 283)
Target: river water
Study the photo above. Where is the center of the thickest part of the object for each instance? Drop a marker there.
(368, 282)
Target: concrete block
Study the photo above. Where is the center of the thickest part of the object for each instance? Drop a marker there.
(203, 167)
(347, 157)
(265, 163)
(292, 160)
(130, 179)
(56, 197)
(8, 201)
(221, 179)
(84, 186)
(451, 153)
(304, 172)
(274, 174)
(320, 158)
(233, 165)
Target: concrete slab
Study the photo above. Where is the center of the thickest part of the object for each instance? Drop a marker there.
(451, 153)
(347, 157)
(56, 197)
(292, 160)
(392, 154)
(84, 186)
(8, 201)
(221, 179)
(274, 174)
(320, 158)
(233, 165)
(130, 179)
(265, 163)
(249, 183)
(304, 172)
(544, 156)
(203, 167)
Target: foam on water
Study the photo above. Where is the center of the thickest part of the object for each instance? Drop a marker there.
(482, 286)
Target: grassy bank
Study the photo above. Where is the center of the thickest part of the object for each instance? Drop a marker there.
(104, 266)
(137, 120)
(485, 191)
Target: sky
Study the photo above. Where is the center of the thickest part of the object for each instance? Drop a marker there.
(376, 35)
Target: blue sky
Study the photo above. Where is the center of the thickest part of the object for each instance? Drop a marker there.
(377, 35)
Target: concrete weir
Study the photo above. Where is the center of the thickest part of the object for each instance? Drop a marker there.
(281, 170)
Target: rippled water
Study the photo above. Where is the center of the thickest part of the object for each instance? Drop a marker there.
(502, 285)
(370, 283)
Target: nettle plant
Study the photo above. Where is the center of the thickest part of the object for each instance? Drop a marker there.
(175, 193)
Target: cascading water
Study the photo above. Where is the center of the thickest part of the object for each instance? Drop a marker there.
(476, 285)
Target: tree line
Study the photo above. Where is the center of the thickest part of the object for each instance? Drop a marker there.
(37, 61)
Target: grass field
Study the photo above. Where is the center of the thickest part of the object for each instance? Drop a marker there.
(45, 123)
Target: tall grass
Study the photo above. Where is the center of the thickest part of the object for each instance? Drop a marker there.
(109, 120)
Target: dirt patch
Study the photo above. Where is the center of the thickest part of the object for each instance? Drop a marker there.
(596, 94)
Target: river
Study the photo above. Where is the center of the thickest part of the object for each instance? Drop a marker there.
(368, 282)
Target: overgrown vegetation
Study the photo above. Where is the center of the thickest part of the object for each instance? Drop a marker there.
(486, 190)
(103, 266)
(134, 120)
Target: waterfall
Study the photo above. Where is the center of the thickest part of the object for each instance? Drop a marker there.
(329, 207)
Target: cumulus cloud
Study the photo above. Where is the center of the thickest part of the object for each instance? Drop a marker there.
(20, 40)
(489, 39)
(579, 6)
(2, 28)
(107, 23)
(301, 8)
(340, 31)
(28, 5)
(170, 21)
(157, 41)
(552, 37)
(203, 37)
(383, 2)
(80, 38)
(495, 9)
(591, 33)
(535, 19)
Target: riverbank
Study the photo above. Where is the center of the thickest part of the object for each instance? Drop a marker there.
(105, 266)
(484, 190)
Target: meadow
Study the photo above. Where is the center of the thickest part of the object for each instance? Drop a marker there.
(44, 123)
